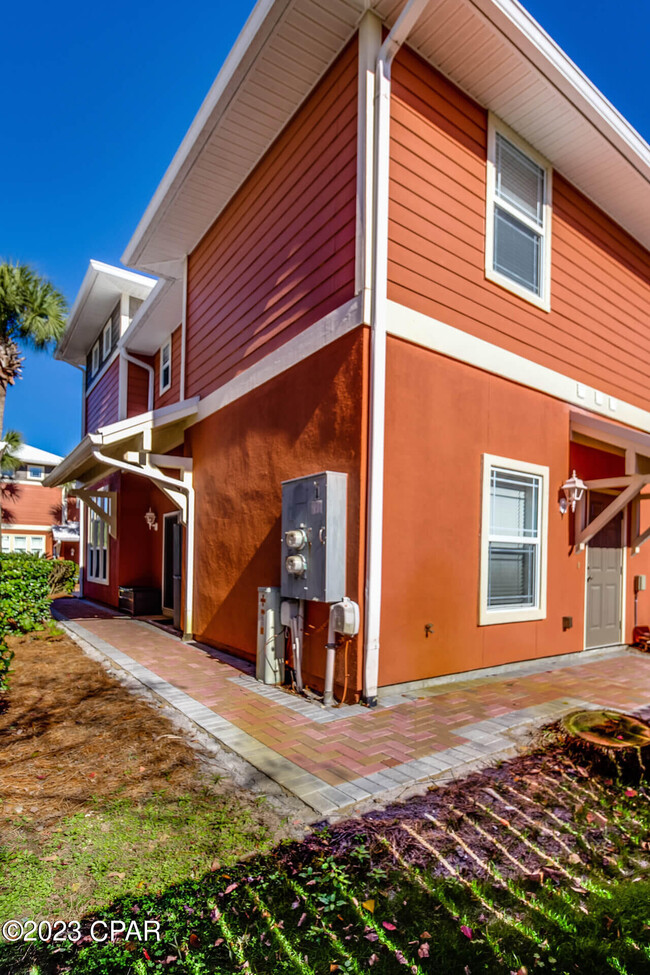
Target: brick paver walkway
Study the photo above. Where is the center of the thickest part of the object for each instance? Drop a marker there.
(355, 751)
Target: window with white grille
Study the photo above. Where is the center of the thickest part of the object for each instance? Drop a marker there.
(518, 227)
(97, 546)
(513, 541)
(166, 366)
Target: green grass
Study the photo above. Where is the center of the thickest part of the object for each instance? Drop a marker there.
(120, 847)
(394, 893)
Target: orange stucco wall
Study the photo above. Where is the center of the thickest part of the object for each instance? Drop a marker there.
(310, 418)
(443, 416)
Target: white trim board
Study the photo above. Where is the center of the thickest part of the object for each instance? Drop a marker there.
(323, 332)
(413, 326)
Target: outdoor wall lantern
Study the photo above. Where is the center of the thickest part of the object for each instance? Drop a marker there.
(151, 520)
(573, 488)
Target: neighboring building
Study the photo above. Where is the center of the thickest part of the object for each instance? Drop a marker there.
(32, 513)
(451, 309)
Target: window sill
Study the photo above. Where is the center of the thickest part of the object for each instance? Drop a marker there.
(516, 289)
(490, 617)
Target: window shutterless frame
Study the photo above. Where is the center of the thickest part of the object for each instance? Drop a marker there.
(35, 473)
(107, 339)
(505, 214)
(98, 542)
(165, 366)
(94, 359)
(514, 541)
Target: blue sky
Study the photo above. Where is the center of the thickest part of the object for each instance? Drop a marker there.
(97, 99)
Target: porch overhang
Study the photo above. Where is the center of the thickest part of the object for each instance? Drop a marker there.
(633, 444)
(154, 432)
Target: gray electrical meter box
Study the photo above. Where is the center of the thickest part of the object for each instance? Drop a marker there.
(314, 537)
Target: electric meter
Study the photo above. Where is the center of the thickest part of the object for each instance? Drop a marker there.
(296, 538)
(296, 565)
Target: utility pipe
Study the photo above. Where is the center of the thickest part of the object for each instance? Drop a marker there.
(377, 407)
(330, 646)
(186, 488)
(142, 365)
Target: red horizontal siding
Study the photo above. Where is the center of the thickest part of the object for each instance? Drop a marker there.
(600, 277)
(31, 504)
(282, 254)
(102, 402)
(173, 394)
(137, 397)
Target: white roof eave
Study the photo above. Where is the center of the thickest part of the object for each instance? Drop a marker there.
(613, 177)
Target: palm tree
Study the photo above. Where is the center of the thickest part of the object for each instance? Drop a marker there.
(9, 464)
(32, 311)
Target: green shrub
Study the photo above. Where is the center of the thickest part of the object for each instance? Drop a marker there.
(26, 584)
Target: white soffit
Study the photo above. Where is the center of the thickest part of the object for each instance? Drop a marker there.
(156, 319)
(100, 290)
(492, 49)
(498, 53)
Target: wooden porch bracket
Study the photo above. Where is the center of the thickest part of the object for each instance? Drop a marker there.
(109, 518)
(635, 484)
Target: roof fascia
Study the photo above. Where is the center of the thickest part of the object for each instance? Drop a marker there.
(251, 39)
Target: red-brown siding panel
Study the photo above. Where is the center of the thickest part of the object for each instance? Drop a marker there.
(600, 277)
(31, 504)
(102, 402)
(282, 254)
(173, 394)
(137, 400)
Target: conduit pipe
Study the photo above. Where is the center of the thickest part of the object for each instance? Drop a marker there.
(154, 475)
(142, 365)
(377, 407)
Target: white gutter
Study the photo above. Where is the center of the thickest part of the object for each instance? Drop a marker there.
(142, 365)
(397, 36)
(154, 475)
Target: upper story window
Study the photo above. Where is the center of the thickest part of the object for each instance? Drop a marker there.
(94, 359)
(35, 473)
(513, 541)
(518, 225)
(107, 339)
(166, 366)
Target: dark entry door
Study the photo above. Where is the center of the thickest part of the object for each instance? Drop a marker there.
(172, 567)
(604, 578)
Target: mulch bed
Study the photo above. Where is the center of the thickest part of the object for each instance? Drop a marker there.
(70, 733)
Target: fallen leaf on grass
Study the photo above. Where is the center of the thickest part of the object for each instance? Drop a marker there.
(630, 793)
(389, 926)
(302, 918)
(229, 889)
(423, 950)
(466, 931)
(194, 941)
(114, 873)
(369, 905)
(373, 958)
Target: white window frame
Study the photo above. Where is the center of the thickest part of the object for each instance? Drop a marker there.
(32, 539)
(107, 339)
(517, 614)
(6, 541)
(35, 477)
(94, 359)
(543, 299)
(98, 543)
(166, 348)
(14, 539)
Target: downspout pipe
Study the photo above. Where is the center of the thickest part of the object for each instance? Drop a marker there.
(393, 42)
(142, 365)
(158, 478)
